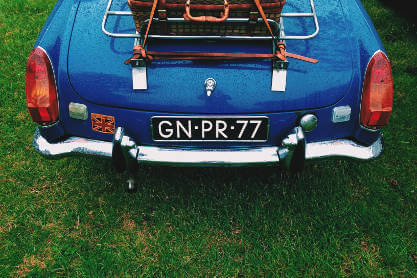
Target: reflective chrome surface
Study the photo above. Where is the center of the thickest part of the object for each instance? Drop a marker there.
(72, 145)
(208, 157)
(343, 148)
(195, 157)
(313, 15)
(109, 12)
(308, 122)
(210, 85)
(292, 149)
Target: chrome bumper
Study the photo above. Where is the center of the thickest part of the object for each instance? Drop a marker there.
(206, 157)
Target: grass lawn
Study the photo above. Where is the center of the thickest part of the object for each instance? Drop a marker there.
(338, 218)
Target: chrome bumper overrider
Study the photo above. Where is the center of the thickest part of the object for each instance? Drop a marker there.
(207, 157)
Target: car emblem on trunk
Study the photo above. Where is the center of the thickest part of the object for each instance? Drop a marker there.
(210, 85)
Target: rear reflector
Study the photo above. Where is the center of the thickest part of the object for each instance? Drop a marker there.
(41, 95)
(377, 92)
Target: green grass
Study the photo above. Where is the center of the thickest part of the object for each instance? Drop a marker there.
(71, 217)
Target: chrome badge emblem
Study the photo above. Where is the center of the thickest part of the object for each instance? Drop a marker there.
(210, 85)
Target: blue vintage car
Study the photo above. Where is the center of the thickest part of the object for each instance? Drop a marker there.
(209, 112)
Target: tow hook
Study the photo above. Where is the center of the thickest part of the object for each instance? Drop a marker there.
(123, 159)
(292, 152)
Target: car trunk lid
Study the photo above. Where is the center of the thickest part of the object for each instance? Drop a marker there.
(97, 72)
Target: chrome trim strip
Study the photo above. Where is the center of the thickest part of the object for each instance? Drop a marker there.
(194, 156)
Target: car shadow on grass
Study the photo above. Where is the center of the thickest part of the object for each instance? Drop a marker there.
(186, 188)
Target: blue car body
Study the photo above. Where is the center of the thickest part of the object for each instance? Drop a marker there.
(89, 70)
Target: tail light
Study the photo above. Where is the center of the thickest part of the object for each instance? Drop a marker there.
(377, 92)
(41, 94)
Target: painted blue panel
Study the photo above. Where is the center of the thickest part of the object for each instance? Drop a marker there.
(97, 72)
(96, 69)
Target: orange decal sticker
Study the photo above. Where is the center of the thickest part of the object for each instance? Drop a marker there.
(102, 123)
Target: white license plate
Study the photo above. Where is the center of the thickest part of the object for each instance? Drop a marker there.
(235, 129)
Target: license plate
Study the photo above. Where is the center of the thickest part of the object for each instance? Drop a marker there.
(235, 129)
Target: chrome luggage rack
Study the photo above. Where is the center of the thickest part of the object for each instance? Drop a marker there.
(273, 23)
(279, 74)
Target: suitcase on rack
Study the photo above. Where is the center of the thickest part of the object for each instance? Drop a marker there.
(206, 17)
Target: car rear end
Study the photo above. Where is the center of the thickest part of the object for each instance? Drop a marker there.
(81, 94)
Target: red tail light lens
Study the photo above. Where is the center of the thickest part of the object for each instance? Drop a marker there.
(41, 95)
(377, 92)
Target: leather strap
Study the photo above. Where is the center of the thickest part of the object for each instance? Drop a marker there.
(281, 53)
(302, 58)
(139, 52)
(155, 3)
(261, 11)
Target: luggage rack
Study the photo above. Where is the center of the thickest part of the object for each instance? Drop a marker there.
(279, 69)
(274, 24)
